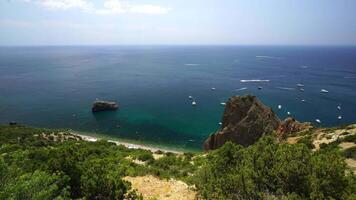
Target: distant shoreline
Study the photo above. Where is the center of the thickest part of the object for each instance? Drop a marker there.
(130, 145)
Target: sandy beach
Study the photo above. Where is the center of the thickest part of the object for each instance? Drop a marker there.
(126, 144)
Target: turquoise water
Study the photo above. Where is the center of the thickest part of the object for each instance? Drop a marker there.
(55, 87)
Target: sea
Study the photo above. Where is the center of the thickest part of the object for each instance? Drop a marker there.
(55, 86)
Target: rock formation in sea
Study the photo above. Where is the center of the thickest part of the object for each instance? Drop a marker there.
(245, 120)
(104, 106)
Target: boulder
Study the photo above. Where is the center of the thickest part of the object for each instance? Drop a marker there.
(244, 121)
(104, 106)
(291, 125)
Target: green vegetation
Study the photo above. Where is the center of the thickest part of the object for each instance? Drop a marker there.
(52, 164)
(49, 164)
(267, 170)
(350, 153)
(308, 141)
(349, 138)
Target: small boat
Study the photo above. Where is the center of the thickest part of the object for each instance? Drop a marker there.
(318, 121)
(223, 104)
(303, 100)
(220, 123)
(212, 88)
(190, 97)
(301, 89)
(339, 117)
(324, 91)
(339, 107)
(288, 113)
(259, 87)
(300, 85)
(279, 107)
(194, 103)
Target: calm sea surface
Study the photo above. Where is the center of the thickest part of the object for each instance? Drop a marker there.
(55, 87)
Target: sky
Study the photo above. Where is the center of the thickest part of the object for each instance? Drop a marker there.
(177, 22)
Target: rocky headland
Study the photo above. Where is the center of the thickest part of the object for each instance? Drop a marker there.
(246, 119)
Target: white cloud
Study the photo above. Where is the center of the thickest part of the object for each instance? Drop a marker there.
(113, 7)
(149, 9)
(64, 4)
(109, 7)
(53, 24)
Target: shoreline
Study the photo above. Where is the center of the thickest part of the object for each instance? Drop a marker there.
(130, 145)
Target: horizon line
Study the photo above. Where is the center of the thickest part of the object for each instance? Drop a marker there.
(197, 45)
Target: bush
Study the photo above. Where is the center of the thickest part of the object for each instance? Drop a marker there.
(350, 153)
(307, 140)
(350, 138)
(142, 155)
(172, 166)
(268, 170)
(101, 179)
(37, 185)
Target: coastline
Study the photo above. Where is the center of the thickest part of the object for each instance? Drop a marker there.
(127, 144)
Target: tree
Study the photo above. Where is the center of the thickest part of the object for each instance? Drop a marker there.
(268, 170)
(101, 179)
(38, 185)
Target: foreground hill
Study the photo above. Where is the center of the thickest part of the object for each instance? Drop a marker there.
(40, 163)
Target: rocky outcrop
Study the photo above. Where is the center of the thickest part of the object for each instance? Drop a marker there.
(12, 123)
(291, 125)
(104, 106)
(244, 121)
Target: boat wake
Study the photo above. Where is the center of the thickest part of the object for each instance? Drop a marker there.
(285, 88)
(192, 64)
(267, 57)
(241, 89)
(253, 80)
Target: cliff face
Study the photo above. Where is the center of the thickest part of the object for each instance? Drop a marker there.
(290, 125)
(244, 121)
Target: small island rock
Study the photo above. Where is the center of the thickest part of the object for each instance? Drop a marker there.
(104, 106)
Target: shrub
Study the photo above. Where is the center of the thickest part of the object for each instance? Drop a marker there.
(350, 153)
(270, 170)
(142, 155)
(307, 140)
(350, 138)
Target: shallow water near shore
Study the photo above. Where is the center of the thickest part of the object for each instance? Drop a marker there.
(55, 87)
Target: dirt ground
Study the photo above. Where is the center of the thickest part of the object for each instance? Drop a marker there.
(152, 187)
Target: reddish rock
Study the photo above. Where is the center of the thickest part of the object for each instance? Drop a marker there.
(291, 125)
(245, 120)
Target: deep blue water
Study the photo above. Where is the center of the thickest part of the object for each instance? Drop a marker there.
(55, 87)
